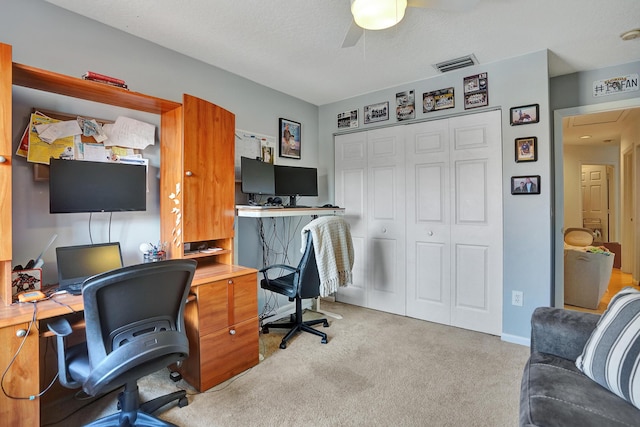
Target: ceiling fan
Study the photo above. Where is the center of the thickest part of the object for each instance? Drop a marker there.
(381, 14)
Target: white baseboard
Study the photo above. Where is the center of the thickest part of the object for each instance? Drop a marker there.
(516, 339)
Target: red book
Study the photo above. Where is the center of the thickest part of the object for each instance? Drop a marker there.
(95, 76)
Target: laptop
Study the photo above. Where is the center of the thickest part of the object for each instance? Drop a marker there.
(77, 263)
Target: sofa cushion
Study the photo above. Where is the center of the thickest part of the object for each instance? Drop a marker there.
(555, 393)
(611, 356)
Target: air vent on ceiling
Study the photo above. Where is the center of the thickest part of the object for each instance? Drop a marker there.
(455, 64)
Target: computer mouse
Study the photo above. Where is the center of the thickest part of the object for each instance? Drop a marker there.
(329, 205)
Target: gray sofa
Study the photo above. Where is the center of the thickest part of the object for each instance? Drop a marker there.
(554, 392)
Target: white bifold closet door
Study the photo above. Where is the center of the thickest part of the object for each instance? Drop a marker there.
(370, 186)
(425, 206)
(454, 221)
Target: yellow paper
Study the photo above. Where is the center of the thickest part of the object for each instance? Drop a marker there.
(40, 151)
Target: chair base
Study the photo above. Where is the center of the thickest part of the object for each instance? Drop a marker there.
(297, 325)
(132, 414)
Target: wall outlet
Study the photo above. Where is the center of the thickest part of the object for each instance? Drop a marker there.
(516, 298)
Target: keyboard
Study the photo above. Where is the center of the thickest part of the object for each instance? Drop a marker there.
(74, 289)
(296, 207)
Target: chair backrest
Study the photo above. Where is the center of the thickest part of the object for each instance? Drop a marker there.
(134, 321)
(308, 279)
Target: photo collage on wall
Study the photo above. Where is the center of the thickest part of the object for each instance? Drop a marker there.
(476, 94)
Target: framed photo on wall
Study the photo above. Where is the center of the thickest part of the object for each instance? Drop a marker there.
(526, 184)
(290, 139)
(525, 115)
(527, 149)
(376, 112)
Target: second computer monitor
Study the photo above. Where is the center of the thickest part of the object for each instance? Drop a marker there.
(296, 181)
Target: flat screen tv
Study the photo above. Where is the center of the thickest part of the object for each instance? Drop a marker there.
(295, 181)
(257, 177)
(78, 186)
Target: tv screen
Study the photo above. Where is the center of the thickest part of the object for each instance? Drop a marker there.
(257, 176)
(296, 181)
(79, 186)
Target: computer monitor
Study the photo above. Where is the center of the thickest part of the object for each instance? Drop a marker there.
(77, 263)
(295, 181)
(80, 186)
(257, 177)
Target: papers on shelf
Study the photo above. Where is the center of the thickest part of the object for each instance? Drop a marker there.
(131, 133)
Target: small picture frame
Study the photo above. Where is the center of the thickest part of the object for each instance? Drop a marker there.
(376, 112)
(526, 149)
(526, 184)
(525, 114)
(348, 119)
(290, 139)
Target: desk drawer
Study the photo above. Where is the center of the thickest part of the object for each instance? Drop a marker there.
(227, 353)
(227, 302)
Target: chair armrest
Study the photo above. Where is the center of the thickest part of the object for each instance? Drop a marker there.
(60, 326)
(276, 266)
(561, 332)
(286, 267)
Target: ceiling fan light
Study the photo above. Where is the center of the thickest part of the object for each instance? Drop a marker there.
(378, 14)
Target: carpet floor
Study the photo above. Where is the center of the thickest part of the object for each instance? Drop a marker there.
(378, 369)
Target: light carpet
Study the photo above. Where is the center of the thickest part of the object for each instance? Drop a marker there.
(378, 369)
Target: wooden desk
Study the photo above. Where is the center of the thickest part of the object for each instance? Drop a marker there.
(225, 298)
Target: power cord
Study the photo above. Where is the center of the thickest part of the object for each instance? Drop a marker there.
(15, 356)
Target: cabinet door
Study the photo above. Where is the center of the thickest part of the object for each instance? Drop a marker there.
(5, 170)
(22, 378)
(209, 156)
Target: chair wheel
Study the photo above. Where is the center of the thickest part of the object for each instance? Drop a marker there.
(323, 341)
(283, 345)
(265, 330)
(183, 402)
(325, 324)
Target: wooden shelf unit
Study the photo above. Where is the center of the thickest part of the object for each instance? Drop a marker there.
(238, 298)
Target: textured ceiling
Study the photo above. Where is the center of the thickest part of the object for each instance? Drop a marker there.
(294, 46)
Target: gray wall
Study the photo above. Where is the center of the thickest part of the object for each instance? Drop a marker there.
(527, 249)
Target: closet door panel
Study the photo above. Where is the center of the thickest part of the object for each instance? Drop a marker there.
(476, 229)
(351, 194)
(386, 220)
(428, 223)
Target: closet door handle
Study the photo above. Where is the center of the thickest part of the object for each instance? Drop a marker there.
(188, 173)
(430, 233)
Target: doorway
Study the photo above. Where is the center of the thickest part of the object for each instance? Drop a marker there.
(622, 200)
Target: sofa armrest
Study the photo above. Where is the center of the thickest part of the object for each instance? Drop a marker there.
(561, 332)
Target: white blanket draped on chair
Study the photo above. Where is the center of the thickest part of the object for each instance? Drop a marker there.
(334, 251)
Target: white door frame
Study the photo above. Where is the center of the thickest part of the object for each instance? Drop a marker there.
(558, 235)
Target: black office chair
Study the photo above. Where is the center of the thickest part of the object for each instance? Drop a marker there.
(134, 327)
(302, 283)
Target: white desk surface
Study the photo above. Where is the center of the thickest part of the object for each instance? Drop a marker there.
(253, 212)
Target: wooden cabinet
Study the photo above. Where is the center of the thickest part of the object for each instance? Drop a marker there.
(197, 206)
(22, 378)
(6, 83)
(197, 190)
(223, 329)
